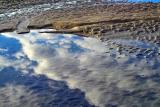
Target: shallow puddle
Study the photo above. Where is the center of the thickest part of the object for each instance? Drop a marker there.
(46, 70)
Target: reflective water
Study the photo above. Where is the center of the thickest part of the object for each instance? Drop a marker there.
(19, 86)
(56, 70)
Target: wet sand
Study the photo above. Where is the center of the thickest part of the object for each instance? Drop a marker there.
(120, 70)
(97, 14)
(103, 21)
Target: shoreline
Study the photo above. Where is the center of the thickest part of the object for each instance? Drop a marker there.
(101, 14)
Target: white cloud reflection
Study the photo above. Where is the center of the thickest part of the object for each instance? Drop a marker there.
(82, 62)
(16, 95)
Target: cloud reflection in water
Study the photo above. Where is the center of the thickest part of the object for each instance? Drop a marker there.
(121, 81)
(19, 86)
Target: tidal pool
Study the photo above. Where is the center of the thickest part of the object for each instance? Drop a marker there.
(63, 70)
